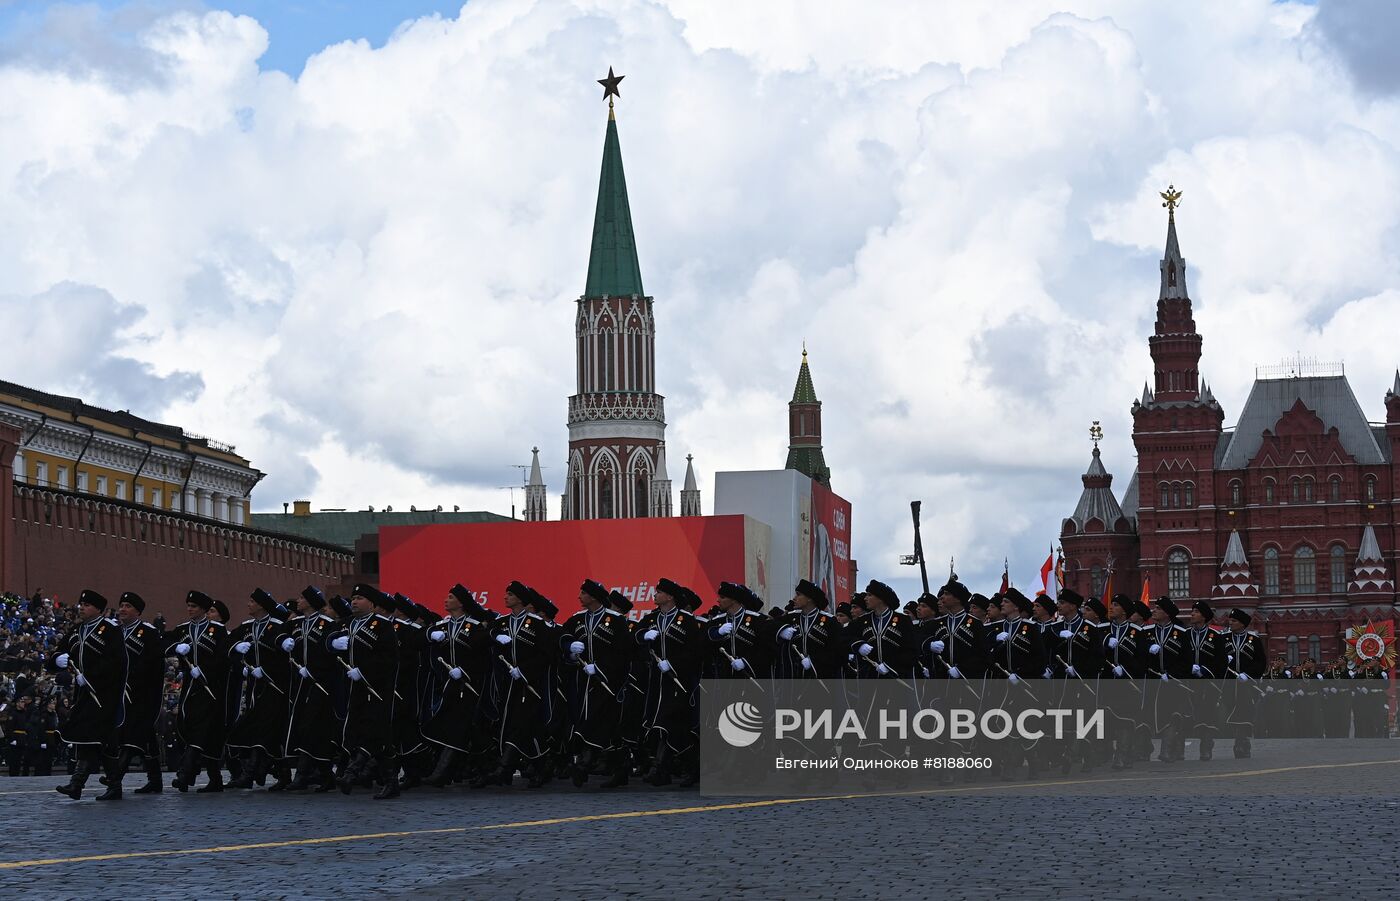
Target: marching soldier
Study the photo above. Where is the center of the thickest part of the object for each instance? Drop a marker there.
(459, 652)
(1019, 655)
(367, 648)
(1207, 661)
(96, 654)
(743, 635)
(884, 645)
(523, 694)
(1246, 661)
(671, 638)
(142, 696)
(1168, 661)
(629, 747)
(412, 642)
(957, 644)
(258, 734)
(311, 715)
(597, 647)
(201, 644)
(1124, 658)
(808, 638)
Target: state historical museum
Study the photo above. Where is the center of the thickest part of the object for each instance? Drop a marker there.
(1290, 515)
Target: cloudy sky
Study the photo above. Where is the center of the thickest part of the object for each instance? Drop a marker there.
(347, 237)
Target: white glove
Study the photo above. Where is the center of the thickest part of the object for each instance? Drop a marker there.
(737, 663)
(354, 674)
(1071, 671)
(43, 747)
(1015, 679)
(1117, 670)
(1002, 636)
(1165, 677)
(850, 658)
(1385, 675)
(806, 662)
(341, 643)
(1048, 673)
(1229, 658)
(1244, 677)
(437, 635)
(865, 649)
(196, 672)
(1318, 676)
(936, 646)
(650, 635)
(257, 672)
(456, 672)
(881, 669)
(1155, 649)
(1195, 669)
(664, 665)
(61, 661)
(288, 644)
(786, 633)
(182, 648)
(1112, 643)
(303, 672)
(1065, 633)
(515, 673)
(726, 628)
(503, 638)
(243, 647)
(576, 648)
(81, 680)
(590, 669)
(247, 670)
(954, 673)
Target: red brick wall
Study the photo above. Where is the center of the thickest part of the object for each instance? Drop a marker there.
(62, 543)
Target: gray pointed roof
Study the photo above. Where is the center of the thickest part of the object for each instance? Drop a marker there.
(690, 484)
(1370, 548)
(1173, 266)
(1130, 500)
(661, 474)
(536, 478)
(1234, 551)
(1097, 501)
(1330, 397)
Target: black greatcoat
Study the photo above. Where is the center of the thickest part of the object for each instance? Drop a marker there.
(964, 646)
(311, 723)
(525, 705)
(369, 714)
(597, 699)
(96, 650)
(816, 636)
(145, 688)
(454, 716)
(750, 639)
(670, 708)
(262, 715)
(201, 722)
(891, 639)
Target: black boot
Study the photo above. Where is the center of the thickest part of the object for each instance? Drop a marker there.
(587, 759)
(216, 780)
(661, 771)
(389, 779)
(621, 766)
(327, 779)
(248, 762)
(283, 771)
(188, 772)
(1207, 748)
(442, 772)
(74, 789)
(306, 766)
(155, 781)
(116, 769)
(354, 770)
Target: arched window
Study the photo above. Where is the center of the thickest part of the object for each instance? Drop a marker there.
(1096, 580)
(1171, 274)
(1370, 488)
(1164, 499)
(1308, 489)
(1334, 489)
(605, 494)
(1176, 495)
(1268, 491)
(1236, 493)
(1179, 574)
(1304, 571)
(576, 508)
(1271, 570)
(639, 495)
(1293, 650)
(1315, 648)
(1337, 569)
(1190, 494)
(1295, 489)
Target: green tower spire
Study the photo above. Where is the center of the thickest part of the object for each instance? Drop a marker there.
(612, 261)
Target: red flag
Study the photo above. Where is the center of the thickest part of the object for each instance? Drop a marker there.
(1049, 587)
(1005, 576)
(1108, 590)
(1146, 597)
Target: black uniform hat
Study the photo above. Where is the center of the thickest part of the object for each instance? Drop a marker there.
(843, 609)
(1070, 596)
(1097, 606)
(520, 590)
(543, 605)
(371, 594)
(1204, 609)
(1141, 609)
(134, 599)
(1044, 601)
(264, 600)
(399, 602)
(956, 589)
(671, 588)
(619, 602)
(595, 590)
(424, 615)
(199, 599)
(92, 599)
(980, 601)
(883, 592)
(860, 599)
(341, 607)
(314, 597)
(1168, 605)
(460, 592)
(689, 600)
(813, 591)
(1127, 603)
(735, 592)
(1022, 602)
(222, 609)
(1240, 617)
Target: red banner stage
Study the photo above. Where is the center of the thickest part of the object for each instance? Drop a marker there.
(629, 555)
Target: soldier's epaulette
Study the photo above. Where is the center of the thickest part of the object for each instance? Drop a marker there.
(685, 612)
(381, 617)
(247, 622)
(276, 620)
(215, 622)
(188, 622)
(148, 625)
(325, 616)
(529, 615)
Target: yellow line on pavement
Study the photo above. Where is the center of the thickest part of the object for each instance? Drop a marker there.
(672, 811)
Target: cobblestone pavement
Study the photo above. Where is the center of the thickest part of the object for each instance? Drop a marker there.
(1299, 820)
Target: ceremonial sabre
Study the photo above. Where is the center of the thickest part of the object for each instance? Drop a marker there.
(502, 658)
(86, 683)
(368, 687)
(751, 678)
